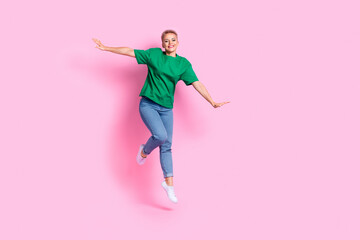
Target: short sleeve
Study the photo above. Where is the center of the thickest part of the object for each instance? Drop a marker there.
(189, 75)
(142, 56)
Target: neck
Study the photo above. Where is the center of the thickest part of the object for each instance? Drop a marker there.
(172, 54)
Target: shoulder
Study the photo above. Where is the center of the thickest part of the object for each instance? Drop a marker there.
(149, 50)
(155, 50)
(184, 62)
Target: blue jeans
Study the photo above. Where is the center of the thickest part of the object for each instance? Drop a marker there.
(159, 121)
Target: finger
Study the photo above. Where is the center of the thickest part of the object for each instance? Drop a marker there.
(220, 104)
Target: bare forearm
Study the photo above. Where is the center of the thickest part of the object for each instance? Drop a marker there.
(121, 50)
(202, 90)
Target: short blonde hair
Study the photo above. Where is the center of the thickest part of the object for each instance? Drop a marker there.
(166, 32)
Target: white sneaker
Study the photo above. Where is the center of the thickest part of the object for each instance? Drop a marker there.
(170, 192)
(139, 159)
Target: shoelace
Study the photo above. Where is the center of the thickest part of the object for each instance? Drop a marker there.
(171, 191)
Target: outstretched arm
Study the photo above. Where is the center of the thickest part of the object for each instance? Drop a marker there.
(202, 90)
(119, 50)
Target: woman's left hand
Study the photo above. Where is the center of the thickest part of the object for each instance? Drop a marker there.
(216, 105)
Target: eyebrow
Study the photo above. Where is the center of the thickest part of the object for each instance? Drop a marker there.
(168, 38)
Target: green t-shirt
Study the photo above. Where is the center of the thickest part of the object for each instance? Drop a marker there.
(163, 74)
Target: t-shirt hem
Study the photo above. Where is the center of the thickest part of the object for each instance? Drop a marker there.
(155, 100)
(191, 82)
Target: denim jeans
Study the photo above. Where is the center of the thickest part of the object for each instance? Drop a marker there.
(159, 121)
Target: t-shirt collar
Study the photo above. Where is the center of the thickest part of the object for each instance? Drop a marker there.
(170, 56)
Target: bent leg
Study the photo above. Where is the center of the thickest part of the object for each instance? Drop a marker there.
(153, 122)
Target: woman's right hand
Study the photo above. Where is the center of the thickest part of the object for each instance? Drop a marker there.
(99, 44)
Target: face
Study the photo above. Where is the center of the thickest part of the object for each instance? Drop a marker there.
(170, 42)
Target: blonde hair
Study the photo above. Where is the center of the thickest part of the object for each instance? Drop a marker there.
(166, 32)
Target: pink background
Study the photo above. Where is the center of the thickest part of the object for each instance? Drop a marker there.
(281, 161)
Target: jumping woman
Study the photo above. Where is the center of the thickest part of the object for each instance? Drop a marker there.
(165, 69)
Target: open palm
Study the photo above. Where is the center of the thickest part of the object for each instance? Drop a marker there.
(99, 44)
(216, 105)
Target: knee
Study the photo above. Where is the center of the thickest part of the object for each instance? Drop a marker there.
(161, 137)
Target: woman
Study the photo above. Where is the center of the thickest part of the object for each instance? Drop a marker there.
(165, 69)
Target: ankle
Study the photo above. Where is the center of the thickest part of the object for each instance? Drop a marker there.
(169, 181)
(143, 154)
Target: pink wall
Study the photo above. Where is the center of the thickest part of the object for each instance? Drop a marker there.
(280, 162)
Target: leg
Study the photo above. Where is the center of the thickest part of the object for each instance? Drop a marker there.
(166, 154)
(151, 117)
(166, 116)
